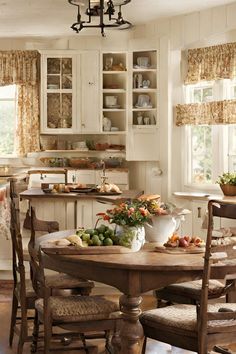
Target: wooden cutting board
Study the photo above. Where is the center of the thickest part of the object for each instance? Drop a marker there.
(73, 250)
(179, 250)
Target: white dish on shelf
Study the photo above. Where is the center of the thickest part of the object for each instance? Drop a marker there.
(114, 106)
(143, 107)
(141, 67)
(114, 150)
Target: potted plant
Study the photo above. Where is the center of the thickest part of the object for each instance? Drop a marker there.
(227, 182)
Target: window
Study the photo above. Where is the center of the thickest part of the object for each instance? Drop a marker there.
(211, 149)
(7, 120)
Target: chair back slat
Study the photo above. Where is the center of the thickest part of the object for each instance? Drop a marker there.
(207, 320)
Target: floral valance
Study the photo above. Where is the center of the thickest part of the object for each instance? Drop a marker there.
(19, 67)
(218, 112)
(211, 63)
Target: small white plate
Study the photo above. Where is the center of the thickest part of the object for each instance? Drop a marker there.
(115, 106)
(113, 150)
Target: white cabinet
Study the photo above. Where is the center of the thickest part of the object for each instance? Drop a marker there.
(81, 176)
(70, 92)
(114, 92)
(84, 210)
(58, 92)
(199, 209)
(90, 107)
(143, 141)
(120, 178)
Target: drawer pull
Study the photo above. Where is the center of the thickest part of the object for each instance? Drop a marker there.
(199, 212)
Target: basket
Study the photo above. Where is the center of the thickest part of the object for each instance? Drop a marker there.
(228, 189)
(79, 162)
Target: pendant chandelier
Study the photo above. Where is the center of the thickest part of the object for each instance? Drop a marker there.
(100, 9)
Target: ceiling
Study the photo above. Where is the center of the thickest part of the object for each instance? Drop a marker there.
(53, 18)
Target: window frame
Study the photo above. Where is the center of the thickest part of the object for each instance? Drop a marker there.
(11, 99)
(222, 89)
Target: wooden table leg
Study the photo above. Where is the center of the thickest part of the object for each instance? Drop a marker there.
(131, 334)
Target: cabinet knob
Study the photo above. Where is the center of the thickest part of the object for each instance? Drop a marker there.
(91, 83)
(83, 125)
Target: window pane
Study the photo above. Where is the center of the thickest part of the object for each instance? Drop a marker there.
(201, 154)
(7, 127)
(207, 94)
(7, 92)
(197, 95)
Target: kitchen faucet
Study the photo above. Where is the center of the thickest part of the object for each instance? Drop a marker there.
(103, 176)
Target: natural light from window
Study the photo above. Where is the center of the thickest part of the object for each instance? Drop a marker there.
(7, 120)
(211, 149)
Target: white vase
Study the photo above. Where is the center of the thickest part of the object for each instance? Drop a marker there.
(162, 227)
(135, 236)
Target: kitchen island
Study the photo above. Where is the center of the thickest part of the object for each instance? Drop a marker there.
(73, 210)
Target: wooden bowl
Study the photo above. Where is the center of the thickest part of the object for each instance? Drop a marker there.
(228, 189)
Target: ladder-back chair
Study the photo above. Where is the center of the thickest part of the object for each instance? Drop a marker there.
(190, 292)
(23, 297)
(202, 326)
(74, 314)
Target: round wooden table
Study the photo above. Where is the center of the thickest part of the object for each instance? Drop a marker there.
(133, 274)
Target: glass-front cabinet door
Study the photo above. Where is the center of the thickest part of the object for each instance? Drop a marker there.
(58, 94)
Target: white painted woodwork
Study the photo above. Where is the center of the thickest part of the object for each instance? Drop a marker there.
(89, 89)
(85, 92)
(45, 55)
(192, 23)
(81, 176)
(117, 116)
(85, 213)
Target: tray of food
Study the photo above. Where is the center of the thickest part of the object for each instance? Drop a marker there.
(101, 240)
(185, 244)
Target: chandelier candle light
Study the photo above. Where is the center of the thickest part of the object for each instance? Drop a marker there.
(99, 9)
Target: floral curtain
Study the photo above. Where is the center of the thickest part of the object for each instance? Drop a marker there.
(22, 68)
(211, 63)
(218, 112)
(27, 132)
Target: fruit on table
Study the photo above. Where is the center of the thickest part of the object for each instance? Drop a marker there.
(184, 241)
(101, 236)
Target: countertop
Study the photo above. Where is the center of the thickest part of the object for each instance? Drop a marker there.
(203, 196)
(38, 193)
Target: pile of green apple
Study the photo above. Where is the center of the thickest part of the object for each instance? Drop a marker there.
(101, 236)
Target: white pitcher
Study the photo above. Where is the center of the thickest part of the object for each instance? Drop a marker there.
(162, 227)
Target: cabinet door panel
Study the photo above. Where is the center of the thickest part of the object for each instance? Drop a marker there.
(58, 93)
(143, 146)
(90, 92)
(85, 213)
(81, 176)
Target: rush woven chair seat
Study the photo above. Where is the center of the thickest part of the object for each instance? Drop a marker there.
(189, 292)
(74, 314)
(202, 326)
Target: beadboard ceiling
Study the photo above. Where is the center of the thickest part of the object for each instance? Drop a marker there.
(53, 18)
